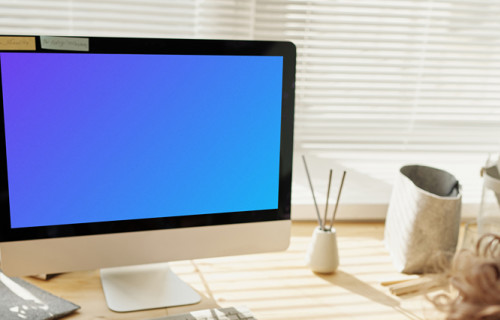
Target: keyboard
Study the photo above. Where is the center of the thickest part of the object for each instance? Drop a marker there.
(230, 313)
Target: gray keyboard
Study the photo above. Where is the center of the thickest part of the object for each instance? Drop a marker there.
(230, 313)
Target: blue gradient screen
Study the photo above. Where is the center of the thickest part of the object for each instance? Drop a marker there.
(106, 137)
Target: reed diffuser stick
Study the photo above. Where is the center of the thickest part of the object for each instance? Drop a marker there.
(314, 197)
(328, 196)
(338, 199)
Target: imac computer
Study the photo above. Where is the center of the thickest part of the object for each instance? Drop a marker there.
(122, 154)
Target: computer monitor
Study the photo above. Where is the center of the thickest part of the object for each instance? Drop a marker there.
(129, 151)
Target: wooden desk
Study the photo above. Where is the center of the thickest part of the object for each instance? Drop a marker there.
(275, 285)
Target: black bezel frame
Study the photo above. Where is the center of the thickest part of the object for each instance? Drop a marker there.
(171, 46)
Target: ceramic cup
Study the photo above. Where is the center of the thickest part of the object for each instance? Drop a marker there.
(322, 255)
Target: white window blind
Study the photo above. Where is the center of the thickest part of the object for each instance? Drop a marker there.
(380, 83)
(385, 83)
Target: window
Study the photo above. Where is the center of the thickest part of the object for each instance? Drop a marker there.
(380, 83)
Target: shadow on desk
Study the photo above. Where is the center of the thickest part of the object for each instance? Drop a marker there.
(358, 287)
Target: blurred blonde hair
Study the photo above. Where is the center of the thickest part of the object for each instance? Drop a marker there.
(475, 276)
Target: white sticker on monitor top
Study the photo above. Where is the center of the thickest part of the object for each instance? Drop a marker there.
(64, 43)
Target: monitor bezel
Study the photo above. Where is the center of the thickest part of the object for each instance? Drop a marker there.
(113, 45)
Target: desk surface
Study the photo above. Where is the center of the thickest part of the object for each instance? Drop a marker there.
(275, 285)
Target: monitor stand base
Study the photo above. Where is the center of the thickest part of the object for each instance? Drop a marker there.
(145, 287)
